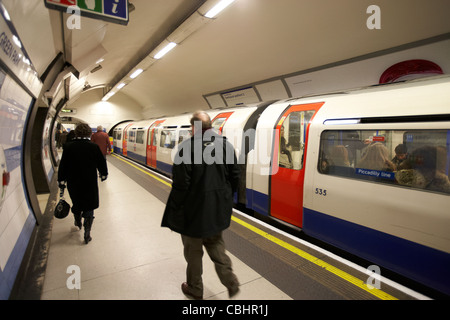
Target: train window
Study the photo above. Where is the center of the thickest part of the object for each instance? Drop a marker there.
(132, 136)
(217, 123)
(168, 139)
(184, 135)
(117, 135)
(292, 139)
(154, 143)
(140, 136)
(417, 159)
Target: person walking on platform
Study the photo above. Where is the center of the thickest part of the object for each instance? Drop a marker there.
(78, 168)
(102, 140)
(200, 204)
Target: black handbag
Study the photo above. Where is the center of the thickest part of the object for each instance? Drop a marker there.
(62, 208)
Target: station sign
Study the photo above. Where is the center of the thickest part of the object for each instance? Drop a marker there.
(14, 57)
(115, 11)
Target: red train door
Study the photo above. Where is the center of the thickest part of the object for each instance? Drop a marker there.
(289, 157)
(125, 140)
(219, 121)
(151, 144)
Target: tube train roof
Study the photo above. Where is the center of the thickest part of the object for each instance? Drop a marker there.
(426, 96)
(422, 97)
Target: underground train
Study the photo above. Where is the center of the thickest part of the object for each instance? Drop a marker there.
(365, 170)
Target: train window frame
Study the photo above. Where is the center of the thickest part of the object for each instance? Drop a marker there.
(168, 135)
(426, 168)
(218, 123)
(117, 135)
(184, 135)
(132, 136)
(140, 134)
(291, 151)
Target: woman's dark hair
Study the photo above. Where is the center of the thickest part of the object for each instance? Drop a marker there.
(83, 131)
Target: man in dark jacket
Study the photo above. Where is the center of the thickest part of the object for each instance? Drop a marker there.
(78, 167)
(205, 176)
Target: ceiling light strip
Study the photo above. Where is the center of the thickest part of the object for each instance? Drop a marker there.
(192, 24)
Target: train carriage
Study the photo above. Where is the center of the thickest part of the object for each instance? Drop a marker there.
(119, 140)
(137, 134)
(325, 165)
(169, 135)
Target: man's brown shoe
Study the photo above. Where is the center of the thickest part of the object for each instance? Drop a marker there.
(233, 290)
(187, 291)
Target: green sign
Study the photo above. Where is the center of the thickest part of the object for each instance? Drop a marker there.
(115, 11)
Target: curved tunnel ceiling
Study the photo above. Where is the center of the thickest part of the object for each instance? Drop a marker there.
(250, 41)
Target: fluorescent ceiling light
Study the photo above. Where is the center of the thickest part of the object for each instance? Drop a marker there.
(17, 41)
(120, 86)
(5, 12)
(136, 73)
(164, 51)
(218, 8)
(109, 95)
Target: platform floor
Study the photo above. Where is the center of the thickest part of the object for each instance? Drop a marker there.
(132, 257)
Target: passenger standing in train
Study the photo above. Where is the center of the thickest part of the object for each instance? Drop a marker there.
(78, 168)
(102, 140)
(201, 203)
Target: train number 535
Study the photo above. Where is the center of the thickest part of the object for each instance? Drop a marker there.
(321, 192)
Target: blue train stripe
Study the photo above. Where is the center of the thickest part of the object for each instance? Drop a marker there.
(137, 157)
(420, 263)
(257, 201)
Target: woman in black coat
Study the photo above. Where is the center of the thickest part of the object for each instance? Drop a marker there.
(78, 167)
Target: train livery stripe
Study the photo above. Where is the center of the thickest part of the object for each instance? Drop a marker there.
(344, 275)
(144, 171)
(402, 256)
(355, 281)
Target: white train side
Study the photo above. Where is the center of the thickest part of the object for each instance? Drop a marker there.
(325, 164)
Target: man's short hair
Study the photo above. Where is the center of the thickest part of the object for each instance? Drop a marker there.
(203, 117)
(400, 149)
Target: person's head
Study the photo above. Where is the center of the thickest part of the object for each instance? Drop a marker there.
(400, 152)
(83, 130)
(99, 128)
(203, 117)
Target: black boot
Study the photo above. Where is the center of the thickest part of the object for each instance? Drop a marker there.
(87, 229)
(78, 222)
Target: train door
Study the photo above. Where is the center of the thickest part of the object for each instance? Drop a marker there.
(219, 121)
(151, 143)
(289, 155)
(125, 140)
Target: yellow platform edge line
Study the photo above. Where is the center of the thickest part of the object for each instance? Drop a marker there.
(144, 171)
(342, 274)
(336, 271)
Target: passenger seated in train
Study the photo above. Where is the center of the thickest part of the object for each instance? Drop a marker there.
(339, 162)
(376, 157)
(285, 154)
(401, 154)
(425, 169)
